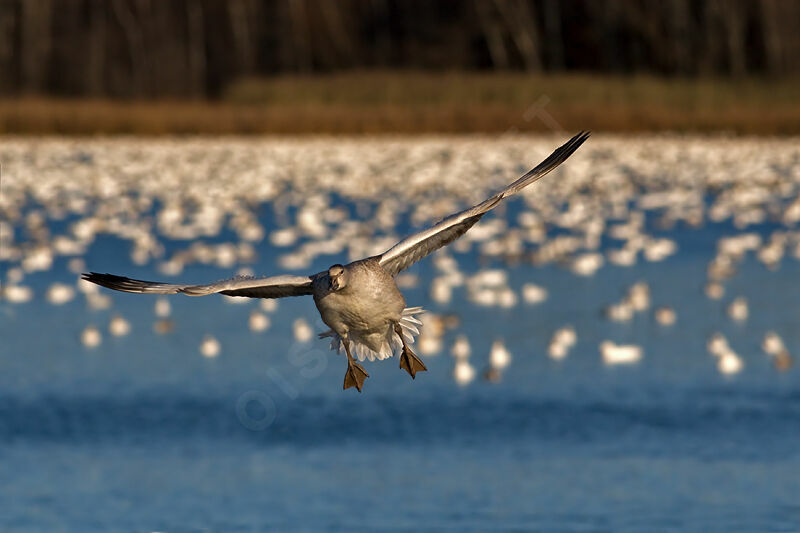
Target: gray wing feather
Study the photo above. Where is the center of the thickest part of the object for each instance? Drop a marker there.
(413, 248)
(272, 287)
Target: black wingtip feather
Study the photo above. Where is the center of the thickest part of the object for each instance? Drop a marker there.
(563, 152)
(121, 283)
(559, 155)
(110, 281)
(568, 148)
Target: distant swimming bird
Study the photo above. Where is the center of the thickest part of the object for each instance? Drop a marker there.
(557, 351)
(620, 312)
(639, 296)
(98, 301)
(566, 336)
(91, 337)
(499, 359)
(729, 363)
(59, 293)
(162, 307)
(302, 330)
(258, 321)
(17, 293)
(738, 309)
(429, 345)
(499, 356)
(360, 301)
(717, 344)
(715, 291)
(533, 294)
(461, 349)
(269, 305)
(587, 264)
(774, 347)
(620, 354)
(772, 343)
(783, 361)
(665, 316)
(441, 290)
(463, 372)
(163, 326)
(118, 326)
(563, 339)
(210, 347)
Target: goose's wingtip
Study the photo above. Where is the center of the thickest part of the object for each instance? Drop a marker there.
(94, 277)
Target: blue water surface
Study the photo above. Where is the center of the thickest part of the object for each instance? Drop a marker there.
(145, 434)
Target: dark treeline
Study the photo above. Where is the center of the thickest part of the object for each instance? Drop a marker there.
(195, 48)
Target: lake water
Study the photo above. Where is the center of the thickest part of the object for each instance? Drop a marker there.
(143, 433)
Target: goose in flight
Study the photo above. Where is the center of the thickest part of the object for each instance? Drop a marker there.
(359, 301)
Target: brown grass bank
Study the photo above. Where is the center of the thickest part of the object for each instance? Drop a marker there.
(408, 103)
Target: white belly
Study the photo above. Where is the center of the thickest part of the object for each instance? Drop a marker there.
(359, 315)
(379, 343)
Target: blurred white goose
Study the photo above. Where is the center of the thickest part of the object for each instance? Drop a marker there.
(360, 301)
(118, 326)
(620, 354)
(499, 356)
(738, 309)
(563, 339)
(728, 362)
(773, 346)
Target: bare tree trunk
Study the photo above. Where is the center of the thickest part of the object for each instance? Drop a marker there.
(135, 44)
(239, 15)
(552, 34)
(35, 20)
(298, 16)
(522, 26)
(9, 81)
(709, 50)
(157, 48)
(734, 20)
(678, 37)
(493, 35)
(770, 29)
(196, 47)
(94, 84)
(789, 36)
(340, 39)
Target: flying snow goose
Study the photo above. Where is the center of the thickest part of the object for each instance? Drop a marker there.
(360, 301)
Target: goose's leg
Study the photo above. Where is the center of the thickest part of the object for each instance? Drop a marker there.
(355, 375)
(408, 359)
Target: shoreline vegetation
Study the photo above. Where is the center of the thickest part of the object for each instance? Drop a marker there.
(429, 103)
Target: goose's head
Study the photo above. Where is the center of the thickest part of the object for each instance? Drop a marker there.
(338, 277)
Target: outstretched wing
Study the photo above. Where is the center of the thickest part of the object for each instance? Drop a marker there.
(273, 287)
(413, 248)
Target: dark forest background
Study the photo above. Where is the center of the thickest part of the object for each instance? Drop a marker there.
(196, 48)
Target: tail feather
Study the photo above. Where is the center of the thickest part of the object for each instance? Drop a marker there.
(409, 327)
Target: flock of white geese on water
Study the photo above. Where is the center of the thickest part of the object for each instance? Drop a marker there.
(348, 198)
